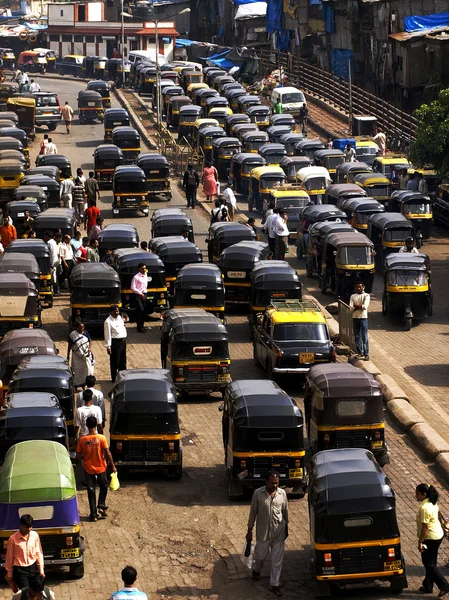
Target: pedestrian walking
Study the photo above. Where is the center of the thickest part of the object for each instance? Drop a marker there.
(412, 185)
(209, 179)
(24, 558)
(349, 154)
(91, 214)
(67, 260)
(144, 246)
(251, 223)
(190, 182)
(403, 179)
(139, 287)
(36, 590)
(269, 231)
(430, 535)
(359, 302)
(423, 188)
(43, 147)
(130, 591)
(281, 235)
(96, 229)
(81, 253)
(67, 115)
(34, 87)
(76, 242)
(329, 143)
(277, 108)
(92, 189)
(79, 199)
(269, 511)
(89, 409)
(97, 396)
(80, 348)
(381, 140)
(80, 175)
(93, 449)
(230, 200)
(115, 338)
(92, 254)
(303, 116)
(51, 147)
(53, 243)
(66, 192)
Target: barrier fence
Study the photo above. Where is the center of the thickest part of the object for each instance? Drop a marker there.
(179, 152)
(346, 334)
(337, 91)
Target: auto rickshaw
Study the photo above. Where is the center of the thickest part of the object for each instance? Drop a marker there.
(126, 262)
(316, 236)
(117, 235)
(315, 181)
(17, 344)
(314, 213)
(253, 140)
(147, 79)
(388, 232)
(28, 197)
(263, 429)
(198, 356)
(170, 222)
(389, 164)
(175, 252)
(292, 164)
(13, 154)
(220, 113)
(211, 74)
(236, 263)
(49, 185)
(283, 119)
(193, 87)
(244, 102)
(223, 80)
(228, 87)
(203, 124)
(354, 532)
(241, 128)
(27, 417)
(11, 174)
(55, 218)
(8, 89)
(346, 172)
(407, 287)
(40, 250)
(225, 234)
(273, 153)
(293, 199)
(19, 297)
(203, 95)
(215, 102)
(49, 375)
(171, 74)
(275, 132)
(94, 287)
(271, 280)
(56, 160)
(242, 164)
(200, 286)
(88, 66)
(9, 58)
(106, 158)
(347, 257)
(90, 106)
(114, 117)
(173, 108)
(260, 115)
(129, 190)
(114, 71)
(330, 159)
(53, 504)
(366, 150)
(47, 170)
(157, 173)
(417, 208)
(376, 186)
(138, 71)
(144, 426)
(128, 140)
(104, 89)
(25, 109)
(308, 147)
(188, 115)
(17, 211)
(338, 193)
(18, 134)
(262, 180)
(50, 55)
(169, 92)
(358, 211)
(32, 61)
(235, 119)
(290, 140)
(191, 77)
(206, 138)
(170, 318)
(223, 149)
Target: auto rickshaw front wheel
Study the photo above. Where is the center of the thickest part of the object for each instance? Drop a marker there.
(77, 571)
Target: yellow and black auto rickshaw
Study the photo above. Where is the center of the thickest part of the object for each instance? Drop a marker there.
(262, 180)
(220, 113)
(106, 158)
(60, 161)
(11, 173)
(346, 172)
(263, 429)
(260, 115)
(292, 164)
(273, 153)
(330, 159)
(206, 138)
(104, 89)
(388, 232)
(90, 106)
(417, 208)
(200, 286)
(25, 109)
(32, 61)
(175, 252)
(168, 92)
(129, 190)
(253, 140)
(173, 108)
(339, 193)
(223, 234)
(128, 140)
(407, 287)
(9, 58)
(188, 115)
(358, 211)
(193, 87)
(235, 119)
(18, 134)
(223, 149)
(354, 534)
(114, 117)
(202, 124)
(157, 173)
(315, 213)
(293, 199)
(242, 164)
(376, 186)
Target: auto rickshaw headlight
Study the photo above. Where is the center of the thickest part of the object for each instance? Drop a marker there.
(328, 559)
(69, 540)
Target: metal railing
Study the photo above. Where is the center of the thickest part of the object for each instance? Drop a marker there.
(346, 329)
(179, 152)
(336, 91)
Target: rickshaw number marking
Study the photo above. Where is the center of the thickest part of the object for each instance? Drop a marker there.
(392, 565)
(70, 553)
(25, 350)
(295, 473)
(236, 274)
(376, 444)
(306, 357)
(170, 456)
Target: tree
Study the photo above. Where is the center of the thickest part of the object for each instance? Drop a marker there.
(432, 135)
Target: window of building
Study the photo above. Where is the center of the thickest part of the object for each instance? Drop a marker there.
(54, 37)
(81, 13)
(62, 12)
(66, 38)
(78, 38)
(89, 39)
(99, 39)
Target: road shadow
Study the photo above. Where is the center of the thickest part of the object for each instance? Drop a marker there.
(429, 375)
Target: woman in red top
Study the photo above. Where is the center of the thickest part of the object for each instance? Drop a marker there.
(90, 217)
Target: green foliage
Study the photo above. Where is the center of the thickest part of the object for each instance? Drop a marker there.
(432, 135)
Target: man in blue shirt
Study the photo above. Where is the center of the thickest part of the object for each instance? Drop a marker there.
(130, 591)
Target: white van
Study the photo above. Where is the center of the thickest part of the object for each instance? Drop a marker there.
(292, 99)
(138, 55)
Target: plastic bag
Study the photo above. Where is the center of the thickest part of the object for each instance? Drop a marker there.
(248, 560)
(114, 484)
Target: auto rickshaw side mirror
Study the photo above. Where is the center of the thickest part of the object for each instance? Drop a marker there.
(221, 407)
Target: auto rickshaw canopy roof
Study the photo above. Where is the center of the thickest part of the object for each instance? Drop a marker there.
(21, 101)
(29, 191)
(274, 273)
(322, 228)
(371, 179)
(237, 118)
(177, 248)
(387, 220)
(255, 136)
(258, 110)
(363, 204)
(410, 196)
(108, 151)
(225, 231)
(11, 144)
(393, 160)
(149, 160)
(338, 189)
(19, 343)
(350, 167)
(313, 172)
(328, 152)
(11, 166)
(47, 170)
(205, 123)
(342, 380)
(348, 481)
(116, 232)
(56, 160)
(268, 171)
(199, 276)
(32, 400)
(129, 173)
(323, 212)
(131, 257)
(307, 144)
(94, 275)
(13, 263)
(226, 141)
(244, 252)
(248, 158)
(199, 331)
(407, 260)
(37, 471)
(144, 390)
(349, 238)
(15, 284)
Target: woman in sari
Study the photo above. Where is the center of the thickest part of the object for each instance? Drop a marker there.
(209, 180)
(80, 344)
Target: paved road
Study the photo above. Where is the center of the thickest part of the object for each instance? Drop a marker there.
(184, 537)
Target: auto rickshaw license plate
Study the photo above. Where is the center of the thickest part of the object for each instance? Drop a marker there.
(377, 444)
(236, 274)
(306, 357)
(392, 565)
(170, 456)
(295, 473)
(72, 553)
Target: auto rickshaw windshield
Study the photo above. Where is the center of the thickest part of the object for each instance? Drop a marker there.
(268, 182)
(316, 183)
(407, 278)
(377, 190)
(286, 332)
(263, 439)
(397, 235)
(332, 162)
(130, 187)
(416, 208)
(355, 255)
(135, 422)
(365, 150)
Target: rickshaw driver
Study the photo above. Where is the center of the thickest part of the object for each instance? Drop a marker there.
(409, 246)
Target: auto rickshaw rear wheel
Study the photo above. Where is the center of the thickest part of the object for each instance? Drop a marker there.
(323, 285)
(407, 323)
(396, 587)
(299, 251)
(60, 72)
(309, 272)
(384, 304)
(77, 571)
(52, 126)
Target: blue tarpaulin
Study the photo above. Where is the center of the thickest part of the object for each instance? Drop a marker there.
(339, 62)
(183, 43)
(239, 2)
(220, 60)
(420, 22)
(274, 15)
(328, 15)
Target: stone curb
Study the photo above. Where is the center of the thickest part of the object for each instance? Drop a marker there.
(140, 128)
(390, 389)
(429, 440)
(404, 414)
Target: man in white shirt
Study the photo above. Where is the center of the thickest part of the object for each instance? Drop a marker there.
(115, 338)
(281, 232)
(88, 410)
(231, 202)
(409, 246)
(268, 229)
(34, 87)
(423, 188)
(139, 287)
(349, 153)
(51, 147)
(65, 190)
(381, 140)
(97, 396)
(55, 261)
(359, 302)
